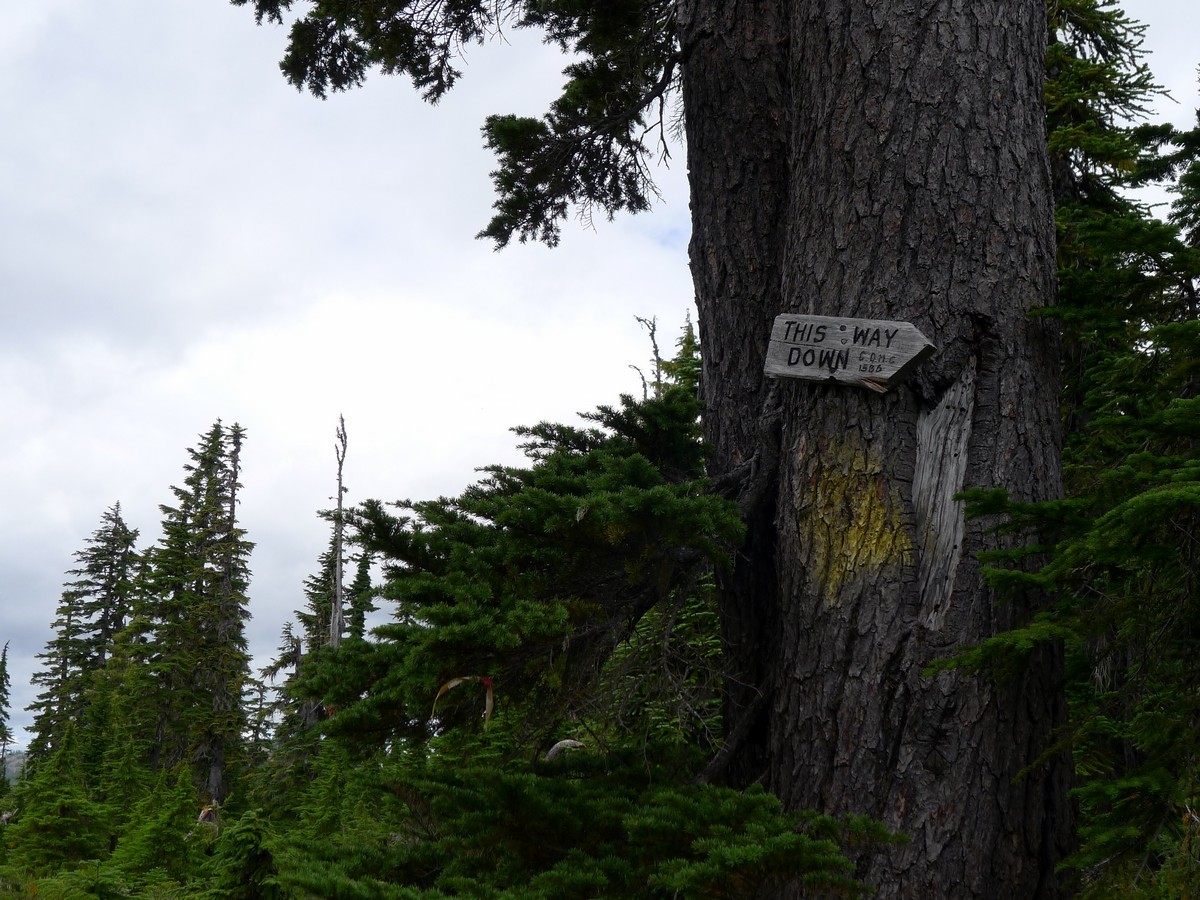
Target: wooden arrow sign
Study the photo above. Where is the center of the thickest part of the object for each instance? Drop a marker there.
(870, 353)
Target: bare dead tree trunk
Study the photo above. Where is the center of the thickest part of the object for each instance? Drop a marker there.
(337, 622)
(881, 161)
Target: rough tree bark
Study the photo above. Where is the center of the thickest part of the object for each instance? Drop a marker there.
(857, 158)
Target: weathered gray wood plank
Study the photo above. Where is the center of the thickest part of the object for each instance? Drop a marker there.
(871, 353)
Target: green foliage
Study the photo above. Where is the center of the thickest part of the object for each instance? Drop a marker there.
(589, 150)
(88, 881)
(615, 825)
(162, 836)
(145, 675)
(124, 778)
(189, 624)
(93, 610)
(534, 576)
(578, 589)
(361, 593)
(58, 823)
(295, 709)
(243, 866)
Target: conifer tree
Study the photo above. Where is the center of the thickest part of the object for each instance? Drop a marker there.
(63, 676)
(360, 593)
(331, 611)
(123, 779)
(296, 710)
(319, 588)
(534, 576)
(1126, 562)
(162, 835)
(283, 773)
(105, 580)
(192, 622)
(226, 666)
(92, 611)
(315, 619)
(58, 824)
(243, 865)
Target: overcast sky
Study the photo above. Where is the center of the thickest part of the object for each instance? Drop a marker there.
(184, 237)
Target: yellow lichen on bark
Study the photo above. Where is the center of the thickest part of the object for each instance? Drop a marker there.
(854, 519)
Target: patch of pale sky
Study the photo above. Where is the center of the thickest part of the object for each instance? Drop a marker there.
(183, 237)
(187, 238)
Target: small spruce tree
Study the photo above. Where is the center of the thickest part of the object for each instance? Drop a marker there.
(59, 826)
(92, 611)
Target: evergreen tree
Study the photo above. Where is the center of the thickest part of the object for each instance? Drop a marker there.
(148, 670)
(1126, 562)
(319, 588)
(243, 866)
(299, 712)
(163, 840)
(284, 772)
(191, 626)
(58, 824)
(1109, 246)
(361, 593)
(226, 668)
(92, 611)
(569, 621)
(296, 710)
(535, 576)
(63, 677)
(104, 581)
(124, 781)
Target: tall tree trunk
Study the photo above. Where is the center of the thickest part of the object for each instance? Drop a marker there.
(337, 619)
(882, 161)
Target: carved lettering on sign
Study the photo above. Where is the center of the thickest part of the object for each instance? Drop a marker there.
(870, 353)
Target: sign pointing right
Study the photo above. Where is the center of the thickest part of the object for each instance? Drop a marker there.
(871, 353)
